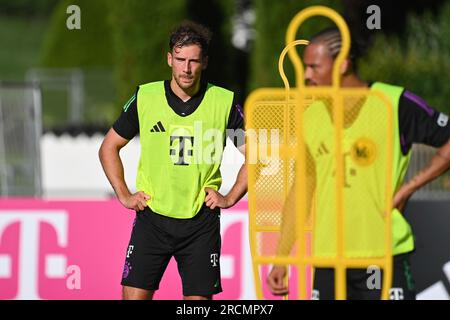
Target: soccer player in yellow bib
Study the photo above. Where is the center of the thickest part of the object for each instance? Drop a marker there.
(183, 125)
(414, 121)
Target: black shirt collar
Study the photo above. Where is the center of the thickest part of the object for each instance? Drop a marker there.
(180, 107)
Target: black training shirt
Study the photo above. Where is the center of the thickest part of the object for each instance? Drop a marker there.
(127, 126)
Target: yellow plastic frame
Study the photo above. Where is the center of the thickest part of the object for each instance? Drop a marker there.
(297, 96)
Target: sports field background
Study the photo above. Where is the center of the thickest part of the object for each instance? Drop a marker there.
(85, 76)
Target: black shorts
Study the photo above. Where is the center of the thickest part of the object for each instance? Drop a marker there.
(195, 243)
(362, 284)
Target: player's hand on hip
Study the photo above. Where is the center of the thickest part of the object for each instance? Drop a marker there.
(136, 201)
(401, 198)
(275, 281)
(214, 199)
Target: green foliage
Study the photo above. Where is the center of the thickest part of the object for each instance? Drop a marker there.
(141, 36)
(419, 61)
(89, 47)
(21, 42)
(272, 21)
(131, 37)
(27, 7)
(141, 30)
(216, 15)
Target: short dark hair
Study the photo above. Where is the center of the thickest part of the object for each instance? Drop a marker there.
(188, 33)
(332, 39)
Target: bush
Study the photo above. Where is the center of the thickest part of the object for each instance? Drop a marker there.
(216, 15)
(141, 30)
(89, 47)
(141, 36)
(419, 61)
(27, 7)
(272, 21)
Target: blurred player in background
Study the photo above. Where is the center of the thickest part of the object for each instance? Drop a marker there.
(414, 122)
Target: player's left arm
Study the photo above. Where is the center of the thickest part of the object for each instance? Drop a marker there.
(438, 165)
(215, 199)
(419, 123)
(236, 133)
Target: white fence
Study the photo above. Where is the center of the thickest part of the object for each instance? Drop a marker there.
(438, 189)
(71, 168)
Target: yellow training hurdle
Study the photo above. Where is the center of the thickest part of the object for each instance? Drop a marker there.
(282, 180)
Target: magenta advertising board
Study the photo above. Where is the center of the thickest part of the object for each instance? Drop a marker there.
(76, 250)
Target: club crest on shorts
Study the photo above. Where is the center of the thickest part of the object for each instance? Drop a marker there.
(126, 270)
(363, 152)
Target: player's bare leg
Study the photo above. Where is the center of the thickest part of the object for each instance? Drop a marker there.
(130, 293)
(197, 298)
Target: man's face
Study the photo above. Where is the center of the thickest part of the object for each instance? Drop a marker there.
(187, 65)
(318, 65)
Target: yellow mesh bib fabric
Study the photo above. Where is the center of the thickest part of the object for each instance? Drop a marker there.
(364, 139)
(180, 156)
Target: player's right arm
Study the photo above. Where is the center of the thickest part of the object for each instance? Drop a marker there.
(113, 168)
(123, 130)
(420, 123)
(288, 234)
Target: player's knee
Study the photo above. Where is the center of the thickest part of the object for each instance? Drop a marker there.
(130, 293)
(197, 297)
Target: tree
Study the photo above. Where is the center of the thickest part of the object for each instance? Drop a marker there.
(141, 36)
(88, 47)
(272, 21)
(418, 61)
(141, 30)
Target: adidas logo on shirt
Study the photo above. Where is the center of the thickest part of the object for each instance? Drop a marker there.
(158, 127)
